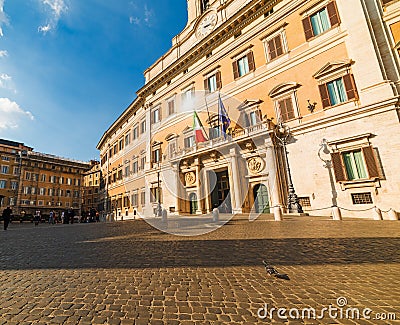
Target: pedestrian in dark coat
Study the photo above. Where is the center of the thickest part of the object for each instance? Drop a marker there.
(6, 217)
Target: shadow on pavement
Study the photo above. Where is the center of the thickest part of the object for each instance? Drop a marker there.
(137, 245)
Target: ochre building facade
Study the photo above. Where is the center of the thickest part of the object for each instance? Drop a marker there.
(326, 70)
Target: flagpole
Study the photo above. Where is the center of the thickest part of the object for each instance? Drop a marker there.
(219, 112)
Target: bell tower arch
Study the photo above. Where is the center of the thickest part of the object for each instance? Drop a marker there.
(196, 8)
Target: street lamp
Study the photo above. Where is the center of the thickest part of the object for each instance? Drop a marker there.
(324, 149)
(282, 133)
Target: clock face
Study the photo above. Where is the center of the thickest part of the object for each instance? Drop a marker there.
(206, 25)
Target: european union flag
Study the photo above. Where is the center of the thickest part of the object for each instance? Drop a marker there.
(223, 116)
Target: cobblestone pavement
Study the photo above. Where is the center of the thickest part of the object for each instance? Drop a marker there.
(130, 273)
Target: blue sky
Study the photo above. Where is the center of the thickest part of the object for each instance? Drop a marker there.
(69, 68)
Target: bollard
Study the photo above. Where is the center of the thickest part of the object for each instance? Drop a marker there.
(393, 215)
(336, 214)
(278, 213)
(215, 214)
(164, 215)
(377, 214)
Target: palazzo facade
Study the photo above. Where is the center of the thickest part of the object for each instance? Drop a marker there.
(202, 132)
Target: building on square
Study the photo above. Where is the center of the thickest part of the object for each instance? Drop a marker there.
(92, 187)
(203, 132)
(32, 181)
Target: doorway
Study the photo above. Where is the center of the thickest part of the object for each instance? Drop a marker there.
(261, 199)
(193, 203)
(220, 195)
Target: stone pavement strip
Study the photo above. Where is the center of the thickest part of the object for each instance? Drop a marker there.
(131, 273)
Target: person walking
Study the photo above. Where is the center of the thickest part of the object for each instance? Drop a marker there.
(51, 218)
(6, 217)
(37, 217)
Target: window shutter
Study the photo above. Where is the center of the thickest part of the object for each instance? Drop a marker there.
(350, 86)
(250, 59)
(235, 69)
(333, 14)
(271, 49)
(206, 85)
(338, 167)
(324, 95)
(278, 45)
(370, 161)
(219, 80)
(308, 28)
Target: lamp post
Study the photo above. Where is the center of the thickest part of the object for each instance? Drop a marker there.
(282, 133)
(324, 149)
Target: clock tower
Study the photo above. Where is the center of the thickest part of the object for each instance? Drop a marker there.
(196, 8)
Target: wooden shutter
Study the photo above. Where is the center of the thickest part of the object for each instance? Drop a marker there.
(206, 85)
(323, 90)
(338, 169)
(333, 14)
(272, 49)
(308, 31)
(219, 80)
(370, 161)
(235, 69)
(350, 86)
(250, 59)
(278, 45)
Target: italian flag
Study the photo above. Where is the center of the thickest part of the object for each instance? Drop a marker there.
(198, 129)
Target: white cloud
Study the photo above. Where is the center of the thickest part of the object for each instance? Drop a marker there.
(134, 20)
(12, 114)
(44, 29)
(6, 82)
(146, 16)
(3, 17)
(56, 9)
(3, 53)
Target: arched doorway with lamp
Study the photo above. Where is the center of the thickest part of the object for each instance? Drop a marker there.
(193, 203)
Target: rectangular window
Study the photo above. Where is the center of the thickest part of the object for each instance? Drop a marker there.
(156, 194)
(16, 170)
(42, 191)
(142, 163)
(5, 169)
(135, 132)
(3, 184)
(14, 185)
(121, 144)
(155, 116)
(135, 167)
(143, 198)
(356, 164)
(243, 65)
(127, 170)
(143, 126)
(127, 139)
(189, 141)
(286, 111)
(254, 118)
(338, 91)
(274, 47)
(188, 94)
(213, 83)
(171, 106)
(305, 201)
(5, 158)
(321, 21)
(156, 155)
(362, 198)
(134, 199)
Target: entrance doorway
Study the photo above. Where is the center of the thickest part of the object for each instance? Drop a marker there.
(193, 203)
(261, 199)
(220, 195)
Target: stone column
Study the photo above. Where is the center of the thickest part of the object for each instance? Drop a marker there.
(199, 186)
(272, 173)
(235, 183)
(206, 192)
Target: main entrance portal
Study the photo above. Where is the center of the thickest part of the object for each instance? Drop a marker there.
(261, 200)
(220, 194)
